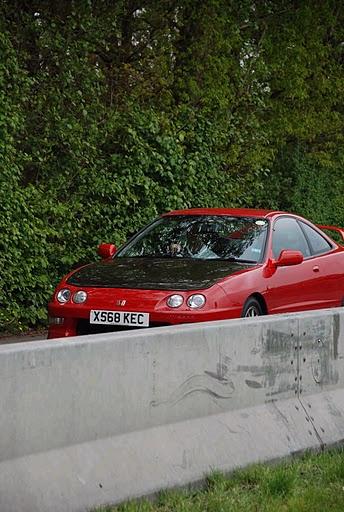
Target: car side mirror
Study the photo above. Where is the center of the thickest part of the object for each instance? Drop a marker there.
(288, 258)
(106, 251)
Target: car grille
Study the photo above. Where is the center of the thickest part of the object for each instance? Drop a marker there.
(84, 327)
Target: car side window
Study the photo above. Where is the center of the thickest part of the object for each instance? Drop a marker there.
(318, 243)
(287, 234)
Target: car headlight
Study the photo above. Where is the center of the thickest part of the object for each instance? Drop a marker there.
(196, 301)
(174, 301)
(63, 295)
(79, 297)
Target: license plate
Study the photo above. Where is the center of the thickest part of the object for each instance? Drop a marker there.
(99, 316)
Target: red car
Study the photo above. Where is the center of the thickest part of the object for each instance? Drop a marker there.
(202, 264)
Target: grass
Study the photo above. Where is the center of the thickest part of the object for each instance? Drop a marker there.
(312, 483)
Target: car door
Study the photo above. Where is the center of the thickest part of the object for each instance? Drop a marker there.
(297, 287)
(328, 265)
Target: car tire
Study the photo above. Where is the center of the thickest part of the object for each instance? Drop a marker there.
(252, 307)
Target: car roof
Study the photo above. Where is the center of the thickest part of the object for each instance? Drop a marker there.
(236, 212)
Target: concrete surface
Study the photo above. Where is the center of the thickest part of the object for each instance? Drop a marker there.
(101, 419)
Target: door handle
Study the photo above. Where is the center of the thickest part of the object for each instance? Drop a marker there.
(316, 268)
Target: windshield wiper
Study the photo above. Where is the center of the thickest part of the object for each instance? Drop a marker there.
(239, 260)
(234, 260)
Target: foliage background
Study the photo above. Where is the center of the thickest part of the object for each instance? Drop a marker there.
(114, 112)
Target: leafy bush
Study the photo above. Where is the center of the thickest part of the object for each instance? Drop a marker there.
(110, 116)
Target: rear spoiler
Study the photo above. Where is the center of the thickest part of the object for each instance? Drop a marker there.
(333, 228)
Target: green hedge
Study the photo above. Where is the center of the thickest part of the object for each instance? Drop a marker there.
(110, 116)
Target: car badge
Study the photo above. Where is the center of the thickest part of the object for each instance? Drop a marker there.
(121, 302)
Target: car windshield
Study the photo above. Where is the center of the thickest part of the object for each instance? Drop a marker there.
(200, 237)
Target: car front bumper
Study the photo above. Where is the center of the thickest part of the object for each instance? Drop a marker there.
(73, 319)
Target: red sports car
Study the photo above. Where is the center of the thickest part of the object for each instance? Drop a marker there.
(203, 264)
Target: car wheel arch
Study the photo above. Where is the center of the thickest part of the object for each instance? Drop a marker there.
(258, 297)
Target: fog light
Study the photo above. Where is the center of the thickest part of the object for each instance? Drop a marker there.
(55, 320)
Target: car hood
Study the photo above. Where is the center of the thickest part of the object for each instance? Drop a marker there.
(155, 274)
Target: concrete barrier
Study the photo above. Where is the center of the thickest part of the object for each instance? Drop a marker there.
(101, 419)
